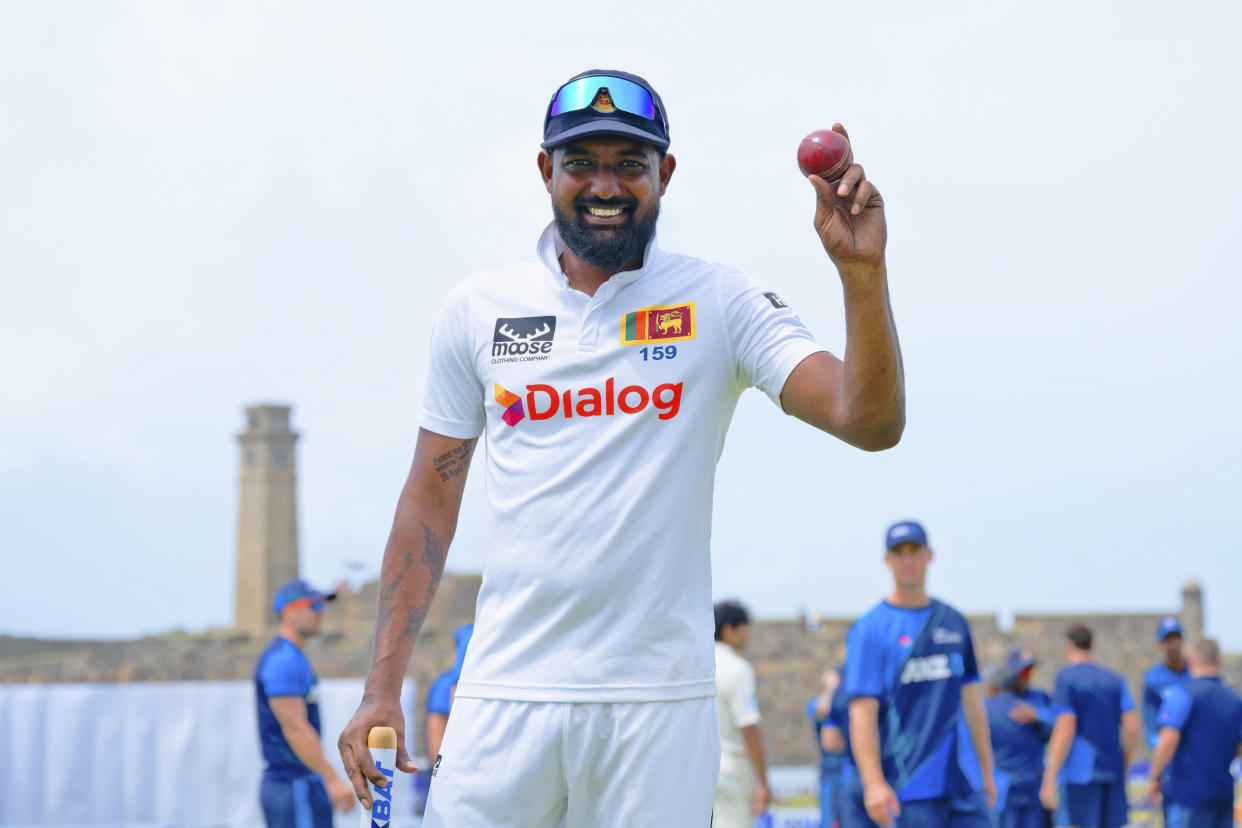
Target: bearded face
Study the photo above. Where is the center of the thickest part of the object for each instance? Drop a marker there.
(611, 247)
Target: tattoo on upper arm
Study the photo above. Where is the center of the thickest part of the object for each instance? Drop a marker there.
(455, 461)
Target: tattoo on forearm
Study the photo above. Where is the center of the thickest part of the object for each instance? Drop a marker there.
(433, 567)
(453, 463)
(433, 559)
(387, 596)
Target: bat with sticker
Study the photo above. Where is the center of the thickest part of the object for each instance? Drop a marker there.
(382, 742)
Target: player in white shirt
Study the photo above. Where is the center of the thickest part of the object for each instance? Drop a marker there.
(604, 374)
(742, 788)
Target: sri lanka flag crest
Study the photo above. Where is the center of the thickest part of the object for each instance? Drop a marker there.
(658, 324)
(511, 403)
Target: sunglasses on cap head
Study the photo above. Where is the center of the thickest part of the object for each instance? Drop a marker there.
(603, 93)
(316, 604)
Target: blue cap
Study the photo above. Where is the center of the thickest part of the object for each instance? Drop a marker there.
(296, 591)
(1019, 659)
(906, 530)
(1167, 626)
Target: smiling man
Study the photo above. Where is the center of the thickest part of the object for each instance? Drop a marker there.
(604, 374)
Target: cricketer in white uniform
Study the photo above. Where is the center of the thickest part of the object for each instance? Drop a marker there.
(604, 374)
(742, 787)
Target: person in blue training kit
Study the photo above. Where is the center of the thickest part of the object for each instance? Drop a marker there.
(1020, 719)
(848, 808)
(1170, 670)
(1092, 739)
(300, 787)
(1200, 734)
(440, 697)
(915, 702)
(830, 743)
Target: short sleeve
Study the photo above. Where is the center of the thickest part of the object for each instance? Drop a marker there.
(768, 338)
(453, 402)
(1062, 696)
(286, 672)
(743, 702)
(864, 669)
(970, 666)
(1127, 701)
(1174, 707)
(812, 713)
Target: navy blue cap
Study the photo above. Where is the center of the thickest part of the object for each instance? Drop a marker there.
(296, 591)
(558, 129)
(1167, 626)
(1019, 659)
(906, 530)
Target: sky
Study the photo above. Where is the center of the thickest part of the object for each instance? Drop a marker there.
(212, 205)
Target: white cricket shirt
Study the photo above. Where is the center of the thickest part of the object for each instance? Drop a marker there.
(736, 704)
(604, 417)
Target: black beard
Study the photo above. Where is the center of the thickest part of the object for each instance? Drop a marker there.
(612, 250)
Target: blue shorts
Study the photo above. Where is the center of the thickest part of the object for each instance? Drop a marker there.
(1024, 816)
(1096, 805)
(301, 802)
(967, 811)
(851, 813)
(1023, 809)
(1184, 816)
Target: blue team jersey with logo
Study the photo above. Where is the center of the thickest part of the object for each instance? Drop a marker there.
(1209, 716)
(1155, 681)
(1097, 698)
(915, 662)
(283, 670)
(1019, 748)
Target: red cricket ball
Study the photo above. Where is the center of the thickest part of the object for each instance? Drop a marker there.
(825, 153)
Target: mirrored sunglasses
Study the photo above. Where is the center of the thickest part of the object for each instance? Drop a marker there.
(603, 94)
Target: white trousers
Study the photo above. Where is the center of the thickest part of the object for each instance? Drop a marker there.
(734, 791)
(508, 764)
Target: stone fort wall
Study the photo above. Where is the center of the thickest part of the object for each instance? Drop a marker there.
(789, 656)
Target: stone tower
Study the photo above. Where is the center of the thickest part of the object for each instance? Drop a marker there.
(1192, 612)
(267, 521)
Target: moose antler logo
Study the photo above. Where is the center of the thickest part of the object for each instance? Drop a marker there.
(523, 336)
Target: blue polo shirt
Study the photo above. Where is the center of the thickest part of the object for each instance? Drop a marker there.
(283, 670)
(915, 662)
(1155, 681)
(1019, 748)
(1209, 716)
(1097, 697)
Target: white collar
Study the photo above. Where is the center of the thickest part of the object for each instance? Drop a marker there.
(551, 246)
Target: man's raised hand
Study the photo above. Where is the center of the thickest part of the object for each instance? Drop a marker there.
(849, 218)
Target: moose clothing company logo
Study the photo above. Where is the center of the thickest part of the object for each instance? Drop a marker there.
(545, 401)
(523, 338)
(658, 324)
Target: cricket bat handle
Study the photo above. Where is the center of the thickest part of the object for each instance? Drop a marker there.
(382, 742)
